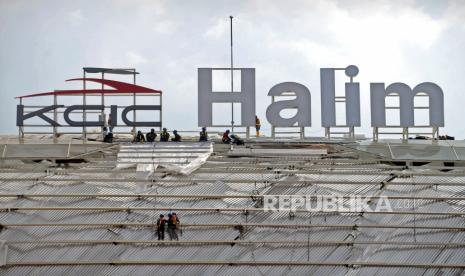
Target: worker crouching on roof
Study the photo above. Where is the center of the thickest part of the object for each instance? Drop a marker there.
(139, 137)
(203, 135)
(164, 136)
(235, 140)
(177, 137)
(151, 136)
(173, 226)
(161, 222)
(226, 139)
(107, 136)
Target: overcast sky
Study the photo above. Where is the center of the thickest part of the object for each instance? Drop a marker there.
(42, 43)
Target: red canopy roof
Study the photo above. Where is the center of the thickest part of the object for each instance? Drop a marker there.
(120, 88)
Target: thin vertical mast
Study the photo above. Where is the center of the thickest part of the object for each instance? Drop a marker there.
(232, 75)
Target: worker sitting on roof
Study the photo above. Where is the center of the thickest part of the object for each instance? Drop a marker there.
(107, 136)
(104, 131)
(177, 137)
(203, 135)
(151, 136)
(226, 139)
(164, 136)
(161, 227)
(236, 140)
(139, 137)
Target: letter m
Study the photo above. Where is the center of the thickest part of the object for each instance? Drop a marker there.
(378, 94)
(207, 97)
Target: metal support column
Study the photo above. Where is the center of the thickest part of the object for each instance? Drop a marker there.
(103, 102)
(55, 118)
(134, 103)
(273, 129)
(21, 128)
(161, 112)
(232, 76)
(84, 117)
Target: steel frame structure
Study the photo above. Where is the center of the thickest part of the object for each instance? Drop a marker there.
(85, 97)
(257, 172)
(406, 131)
(197, 262)
(230, 209)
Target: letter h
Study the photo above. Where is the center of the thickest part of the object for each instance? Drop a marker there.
(207, 97)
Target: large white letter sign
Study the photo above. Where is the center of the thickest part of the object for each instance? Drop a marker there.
(328, 97)
(302, 103)
(207, 97)
(406, 99)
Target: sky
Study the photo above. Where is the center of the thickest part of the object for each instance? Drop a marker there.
(43, 43)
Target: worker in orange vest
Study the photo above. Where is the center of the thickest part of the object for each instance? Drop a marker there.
(257, 125)
(173, 226)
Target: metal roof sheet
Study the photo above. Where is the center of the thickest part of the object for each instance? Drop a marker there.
(292, 244)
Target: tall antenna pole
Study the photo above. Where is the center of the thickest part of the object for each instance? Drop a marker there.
(232, 75)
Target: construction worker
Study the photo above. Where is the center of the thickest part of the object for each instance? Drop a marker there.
(161, 227)
(177, 137)
(257, 125)
(203, 135)
(110, 126)
(236, 140)
(178, 224)
(133, 134)
(164, 136)
(151, 136)
(226, 139)
(107, 136)
(173, 222)
(139, 137)
(104, 132)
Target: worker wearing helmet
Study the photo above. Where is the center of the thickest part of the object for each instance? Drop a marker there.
(164, 135)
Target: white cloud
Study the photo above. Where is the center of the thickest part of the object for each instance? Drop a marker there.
(134, 58)
(378, 39)
(456, 13)
(165, 27)
(409, 41)
(218, 29)
(77, 15)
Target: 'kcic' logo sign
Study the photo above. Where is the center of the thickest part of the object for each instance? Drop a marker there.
(120, 89)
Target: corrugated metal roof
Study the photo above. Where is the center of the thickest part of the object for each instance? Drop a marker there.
(294, 248)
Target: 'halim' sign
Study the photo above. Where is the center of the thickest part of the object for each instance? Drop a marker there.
(302, 102)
